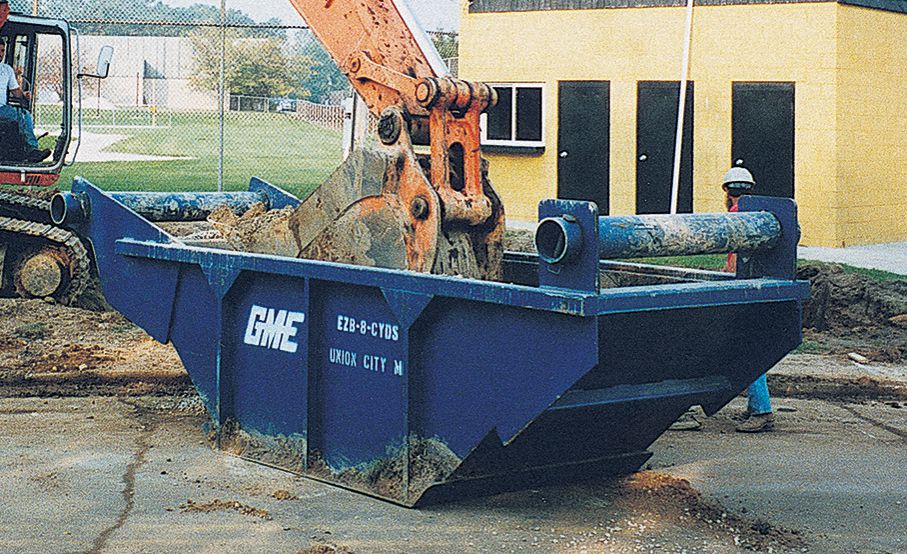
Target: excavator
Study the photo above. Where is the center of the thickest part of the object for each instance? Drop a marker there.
(385, 206)
(37, 258)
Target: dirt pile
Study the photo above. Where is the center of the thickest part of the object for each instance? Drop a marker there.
(257, 230)
(427, 461)
(327, 549)
(847, 311)
(218, 505)
(71, 357)
(51, 350)
(676, 498)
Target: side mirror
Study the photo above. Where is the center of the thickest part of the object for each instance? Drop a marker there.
(103, 69)
(104, 58)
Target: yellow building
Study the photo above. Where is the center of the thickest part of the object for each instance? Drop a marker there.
(811, 96)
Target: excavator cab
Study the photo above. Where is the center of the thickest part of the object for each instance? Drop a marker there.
(40, 52)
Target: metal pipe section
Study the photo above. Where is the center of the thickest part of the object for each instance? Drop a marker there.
(67, 208)
(641, 236)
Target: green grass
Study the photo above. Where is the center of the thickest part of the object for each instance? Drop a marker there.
(286, 152)
(811, 347)
(713, 262)
(874, 274)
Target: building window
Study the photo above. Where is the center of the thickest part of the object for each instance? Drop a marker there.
(518, 119)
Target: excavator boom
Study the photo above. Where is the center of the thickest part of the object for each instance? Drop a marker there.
(383, 31)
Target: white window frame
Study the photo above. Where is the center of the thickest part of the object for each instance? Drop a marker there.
(513, 121)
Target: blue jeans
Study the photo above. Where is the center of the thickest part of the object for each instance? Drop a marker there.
(23, 118)
(757, 397)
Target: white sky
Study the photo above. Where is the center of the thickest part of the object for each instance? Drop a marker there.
(434, 15)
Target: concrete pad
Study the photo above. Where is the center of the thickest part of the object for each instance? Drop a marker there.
(838, 477)
(128, 475)
(891, 257)
(93, 149)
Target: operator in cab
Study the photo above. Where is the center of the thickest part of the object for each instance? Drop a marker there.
(21, 117)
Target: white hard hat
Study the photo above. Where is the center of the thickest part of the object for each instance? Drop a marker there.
(739, 180)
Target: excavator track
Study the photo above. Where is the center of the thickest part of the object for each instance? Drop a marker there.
(24, 206)
(66, 247)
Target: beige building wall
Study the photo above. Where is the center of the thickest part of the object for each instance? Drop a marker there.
(872, 126)
(766, 42)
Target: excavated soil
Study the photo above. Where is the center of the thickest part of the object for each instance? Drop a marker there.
(428, 460)
(257, 230)
(50, 350)
(848, 311)
(673, 497)
(218, 505)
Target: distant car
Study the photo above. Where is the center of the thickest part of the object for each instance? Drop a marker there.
(286, 105)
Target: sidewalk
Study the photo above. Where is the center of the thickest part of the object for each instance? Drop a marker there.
(891, 257)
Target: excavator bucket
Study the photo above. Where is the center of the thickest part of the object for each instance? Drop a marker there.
(379, 210)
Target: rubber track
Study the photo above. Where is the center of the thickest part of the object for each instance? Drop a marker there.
(80, 271)
(39, 208)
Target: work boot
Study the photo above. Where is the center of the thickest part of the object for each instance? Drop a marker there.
(37, 155)
(687, 421)
(757, 423)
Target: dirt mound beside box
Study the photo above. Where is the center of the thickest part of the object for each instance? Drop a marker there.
(848, 310)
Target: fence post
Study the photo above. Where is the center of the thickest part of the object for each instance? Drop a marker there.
(220, 96)
(355, 123)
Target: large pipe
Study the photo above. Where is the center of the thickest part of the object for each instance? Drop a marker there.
(559, 239)
(67, 208)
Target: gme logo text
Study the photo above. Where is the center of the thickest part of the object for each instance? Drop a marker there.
(274, 329)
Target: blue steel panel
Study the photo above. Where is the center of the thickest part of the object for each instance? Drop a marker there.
(686, 295)
(194, 332)
(548, 299)
(266, 341)
(478, 367)
(780, 261)
(359, 368)
(559, 300)
(277, 198)
(142, 290)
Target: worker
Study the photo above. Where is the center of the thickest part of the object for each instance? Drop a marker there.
(10, 84)
(4, 12)
(759, 416)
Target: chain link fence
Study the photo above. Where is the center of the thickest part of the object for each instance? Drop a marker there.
(201, 95)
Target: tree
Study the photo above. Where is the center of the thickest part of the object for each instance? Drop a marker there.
(252, 66)
(318, 75)
(447, 44)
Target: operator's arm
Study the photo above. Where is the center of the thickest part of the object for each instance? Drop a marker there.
(8, 81)
(18, 92)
